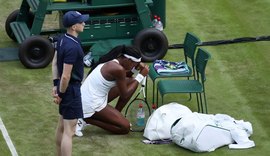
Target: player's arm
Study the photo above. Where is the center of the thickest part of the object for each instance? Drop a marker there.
(126, 90)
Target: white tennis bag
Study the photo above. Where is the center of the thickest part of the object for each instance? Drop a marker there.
(159, 124)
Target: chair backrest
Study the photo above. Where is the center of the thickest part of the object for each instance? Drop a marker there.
(202, 58)
(190, 44)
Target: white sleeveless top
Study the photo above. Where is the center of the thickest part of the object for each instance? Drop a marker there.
(95, 90)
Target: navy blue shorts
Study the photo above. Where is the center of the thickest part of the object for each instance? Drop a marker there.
(71, 104)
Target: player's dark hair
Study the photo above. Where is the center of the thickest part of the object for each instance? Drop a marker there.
(117, 52)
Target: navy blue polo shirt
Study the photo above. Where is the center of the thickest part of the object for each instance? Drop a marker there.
(69, 51)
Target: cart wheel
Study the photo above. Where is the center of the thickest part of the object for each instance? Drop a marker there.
(36, 52)
(152, 43)
(12, 18)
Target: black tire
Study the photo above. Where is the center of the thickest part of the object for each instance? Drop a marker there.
(12, 17)
(36, 52)
(152, 43)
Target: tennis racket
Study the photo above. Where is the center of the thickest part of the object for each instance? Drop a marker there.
(138, 125)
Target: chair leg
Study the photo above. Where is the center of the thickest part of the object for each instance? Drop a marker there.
(190, 97)
(205, 103)
(153, 91)
(201, 103)
(198, 103)
(162, 100)
(157, 98)
(146, 90)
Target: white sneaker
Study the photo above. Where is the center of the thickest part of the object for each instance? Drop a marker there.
(79, 127)
(130, 127)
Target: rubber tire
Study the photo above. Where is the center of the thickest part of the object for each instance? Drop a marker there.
(36, 52)
(12, 18)
(152, 43)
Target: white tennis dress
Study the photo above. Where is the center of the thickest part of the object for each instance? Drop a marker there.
(94, 90)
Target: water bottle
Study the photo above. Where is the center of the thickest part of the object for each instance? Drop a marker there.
(154, 22)
(140, 115)
(88, 59)
(159, 24)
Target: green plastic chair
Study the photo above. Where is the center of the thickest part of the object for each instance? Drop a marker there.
(190, 44)
(189, 86)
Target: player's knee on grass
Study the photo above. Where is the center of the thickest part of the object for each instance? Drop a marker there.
(125, 127)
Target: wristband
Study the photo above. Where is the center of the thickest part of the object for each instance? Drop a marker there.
(55, 82)
(61, 95)
(139, 78)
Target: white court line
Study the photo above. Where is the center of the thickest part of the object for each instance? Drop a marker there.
(7, 138)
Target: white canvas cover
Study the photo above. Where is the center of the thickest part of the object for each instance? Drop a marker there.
(159, 124)
(204, 132)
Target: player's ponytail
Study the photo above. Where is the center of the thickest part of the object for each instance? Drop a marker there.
(112, 54)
